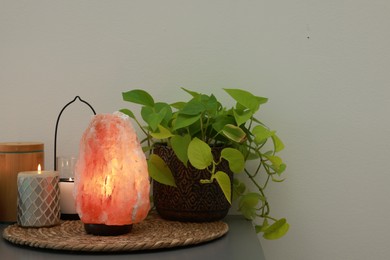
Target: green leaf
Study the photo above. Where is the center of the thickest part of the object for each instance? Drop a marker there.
(224, 182)
(278, 144)
(282, 168)
(221, 122)
(159, 171)
(152, 118)
(279, 169)
(241, 116)
(193, 107)
(235, 158)
(178, 105)
(163, 133)
(240, 107)
(138, 96)
(262, 100)
(146, 112)
(234, 133)
(238, 188)
(275, 160)
(180, 147)
(258, 228)
(262, 228)
(248, 204)
(211, 104)
(276, 180)
(183, 121)
(127, 112)
(161, 106)
(146, 148)
(246, 99)
(261, 133)
(192, 93)
(277, 229)
(194, 129)
(199, 154)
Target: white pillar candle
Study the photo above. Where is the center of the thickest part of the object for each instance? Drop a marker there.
(67, 202)
(65, 167)
(38, 198)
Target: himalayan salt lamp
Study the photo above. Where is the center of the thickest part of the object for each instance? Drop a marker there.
(111, 178)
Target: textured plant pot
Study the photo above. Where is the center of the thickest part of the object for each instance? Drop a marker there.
(190, 200)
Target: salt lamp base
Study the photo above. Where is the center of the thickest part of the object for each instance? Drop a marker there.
(69, 217)
(105, 230)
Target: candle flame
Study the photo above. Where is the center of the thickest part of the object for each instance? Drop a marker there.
(39, 168)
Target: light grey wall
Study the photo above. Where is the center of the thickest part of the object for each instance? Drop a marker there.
(323, 65)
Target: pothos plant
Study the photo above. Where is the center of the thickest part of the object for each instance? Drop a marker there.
(191, 128)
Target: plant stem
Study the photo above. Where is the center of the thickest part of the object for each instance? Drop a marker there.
(201, 127)
(266, 182)
(268, 217)
(261, 190)
(141, 127)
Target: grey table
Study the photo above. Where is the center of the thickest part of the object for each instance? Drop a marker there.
(239, 243)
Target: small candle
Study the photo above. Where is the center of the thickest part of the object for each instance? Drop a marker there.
(38, 198)
(67, 202)
(65, 167)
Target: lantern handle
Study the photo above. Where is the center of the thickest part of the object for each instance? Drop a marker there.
(58, 120)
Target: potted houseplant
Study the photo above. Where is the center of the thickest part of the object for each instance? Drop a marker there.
(203, 135)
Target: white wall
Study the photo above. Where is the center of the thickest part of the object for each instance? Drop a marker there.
(323, 65)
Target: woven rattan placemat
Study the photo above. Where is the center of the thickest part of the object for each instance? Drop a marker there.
(152, 233)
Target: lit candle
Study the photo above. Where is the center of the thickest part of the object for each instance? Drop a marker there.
(38, 198)
(67, 202)
(65, 167)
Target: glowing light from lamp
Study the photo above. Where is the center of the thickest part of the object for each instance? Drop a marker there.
(111, 179)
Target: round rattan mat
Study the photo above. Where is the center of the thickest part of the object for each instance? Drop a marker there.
(152, 233)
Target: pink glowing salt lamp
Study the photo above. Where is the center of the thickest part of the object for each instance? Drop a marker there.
(111, 179)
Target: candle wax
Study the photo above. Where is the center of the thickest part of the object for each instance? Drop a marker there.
(67, 202)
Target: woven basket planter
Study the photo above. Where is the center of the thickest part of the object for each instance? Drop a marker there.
(190, 200)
